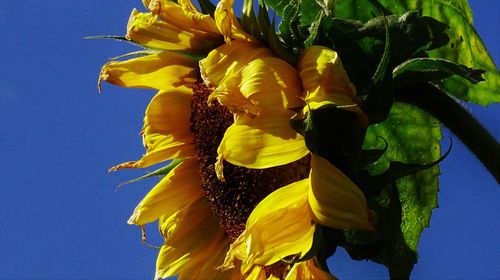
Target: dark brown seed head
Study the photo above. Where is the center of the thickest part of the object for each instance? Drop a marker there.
(232, 201)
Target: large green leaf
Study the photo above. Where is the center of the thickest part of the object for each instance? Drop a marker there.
(413, 137)
(465, 47)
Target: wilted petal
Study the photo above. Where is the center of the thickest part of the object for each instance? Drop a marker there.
(228, 23)
(183, 15)
(335, 200)
(193, 240)
(178, 189)
(308, 270)
(228, 59)
(325, 80)
(146, 29)
(166, 133)
(268, 83)
(256, 273)
(261, 137)
(261, 142)
(165, 70)
(280, 226)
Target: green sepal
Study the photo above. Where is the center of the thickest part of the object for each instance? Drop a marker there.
(370, 156)
(290, 28)
(373, 185)
(108, 37)
(135, 54)
(249, 20)
(433, 69)
(327, 6)
(333, 133)
(379, 97)
(163, 171)
(207, 7)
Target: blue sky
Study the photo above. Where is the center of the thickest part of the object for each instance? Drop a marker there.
(61, 216)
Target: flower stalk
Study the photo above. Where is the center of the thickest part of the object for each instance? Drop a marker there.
(455, 117)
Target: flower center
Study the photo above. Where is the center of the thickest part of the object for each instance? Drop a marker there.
(232, 201)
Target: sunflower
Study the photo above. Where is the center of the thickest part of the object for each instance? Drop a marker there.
(244, 194)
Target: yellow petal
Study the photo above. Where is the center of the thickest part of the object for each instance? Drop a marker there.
(169, 112)
(194, 240)
(228, 23)
(261, 137)
(325, 80)
(228, 59)
(146, 29)
(199, 20)
(335, 200)
(260, 142)
(183, 15)
(257, 273)
(165, 70)
(280, 226)
(308, 270)
(272, 84)
(207, 267)
(163, 137)
(265, 85)
(176, 190)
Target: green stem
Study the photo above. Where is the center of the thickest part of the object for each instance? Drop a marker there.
(479, 141)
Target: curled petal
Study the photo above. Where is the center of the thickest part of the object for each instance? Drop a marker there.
(308, 270)
(335, 200)
(164, 138)
(147, 30)
(271, 83)
(325, 80)
(261, 142)
(265, 84)
(280, 226)
(228, 59)
(192, 238)
(260, 95)
(183, 15)
(228, 24)
(165, 70)
(178, 189)
(256, 273)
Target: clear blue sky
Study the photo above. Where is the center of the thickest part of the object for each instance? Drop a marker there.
(60, 214)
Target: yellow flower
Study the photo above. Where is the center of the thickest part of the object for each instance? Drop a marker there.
(260, 96)
(247, 194)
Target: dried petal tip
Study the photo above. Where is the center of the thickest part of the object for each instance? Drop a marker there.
(103, 76)
(219, 168)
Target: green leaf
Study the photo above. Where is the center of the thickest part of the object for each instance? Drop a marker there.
(327, 6)
(313, 30)
(413, 137)
(279, 5)
(414, 33)
(367, 157)
(465, 46)
(289, 25)
(163, 171)
(309, 10)
(432, 69)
